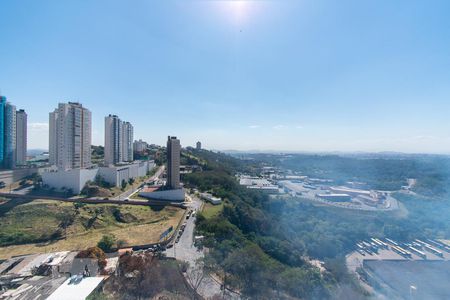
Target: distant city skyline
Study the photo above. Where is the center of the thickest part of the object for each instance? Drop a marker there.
(237, 75)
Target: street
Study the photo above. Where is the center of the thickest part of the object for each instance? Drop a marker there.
(185, 250)
(125, 195)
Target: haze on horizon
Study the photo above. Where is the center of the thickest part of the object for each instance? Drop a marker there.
(243, 75)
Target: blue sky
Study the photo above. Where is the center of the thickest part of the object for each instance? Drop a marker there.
(269, 75)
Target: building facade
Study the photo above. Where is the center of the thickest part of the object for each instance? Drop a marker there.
(173, 162)
(10, 136)
(140, 146)
(13, 135)
(70, 136)
(118, 141)
(198, 146)
(113, 140)
(127, 141)
(52, 139)
(76, 179)
(21, 137)
(2, 128)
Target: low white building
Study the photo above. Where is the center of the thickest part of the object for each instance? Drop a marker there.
(73, 179)
(258, 183)
(335, 197)
(76, 179)
(114, 175)
(210, 198)
(175, 195)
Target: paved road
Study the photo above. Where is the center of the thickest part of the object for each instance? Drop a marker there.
(125, 195)
(186, 251)
(22, 191)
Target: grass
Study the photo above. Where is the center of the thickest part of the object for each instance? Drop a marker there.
(38, 226)
(136, 196)
(137, 182)
(210, 210)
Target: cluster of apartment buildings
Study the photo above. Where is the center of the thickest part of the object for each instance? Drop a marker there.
(70, 130)
(13, 135)
(70, 141)
(140, 146)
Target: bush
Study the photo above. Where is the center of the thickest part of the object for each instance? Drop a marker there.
(94, 253)
(107, 242)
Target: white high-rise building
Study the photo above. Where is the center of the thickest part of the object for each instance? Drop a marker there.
(53, 145)
(70, 136)
(173, 162)
(113, 140)
(140, 146)
(127, 141)
(118, 141)
(21, 137)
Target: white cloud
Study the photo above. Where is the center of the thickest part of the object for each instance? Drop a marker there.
(38, 126)
(299, 127)
(279, 127)
(254, 126)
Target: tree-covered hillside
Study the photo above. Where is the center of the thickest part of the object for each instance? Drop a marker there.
(262, 242)
(249, 247)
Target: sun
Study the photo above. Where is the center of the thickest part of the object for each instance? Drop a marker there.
(236, 9)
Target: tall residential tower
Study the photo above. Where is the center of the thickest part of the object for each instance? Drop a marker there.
(13, 135)
(21, 137)
(10, 136)
(70, 136)
(173, 162)
(118, 141)
(127, 141)
(113, 140)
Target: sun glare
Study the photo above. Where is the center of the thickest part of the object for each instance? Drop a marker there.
(237, 10)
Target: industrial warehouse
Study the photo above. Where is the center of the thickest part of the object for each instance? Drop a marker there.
(411, 270)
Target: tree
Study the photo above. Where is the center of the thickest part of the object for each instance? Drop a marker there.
(66, 219)
(121, 243)
(107, 242)
(130, 181)
(95, 253)
(124, 184)
(196, 274)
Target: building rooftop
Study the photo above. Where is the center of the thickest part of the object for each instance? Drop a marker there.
(76, 291)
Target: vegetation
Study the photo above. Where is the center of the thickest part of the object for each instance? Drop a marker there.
(94, 190)
(210, 211)
(94, 253)
(107, 243)
(259, 241)
(44, 226)
(146, 277)
(238, 233)
(383, 172)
